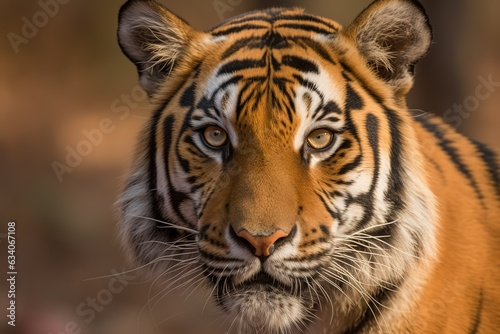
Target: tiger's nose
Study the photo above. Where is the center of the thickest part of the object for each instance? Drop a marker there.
(263, 246)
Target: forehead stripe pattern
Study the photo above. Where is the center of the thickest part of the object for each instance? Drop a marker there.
(307, 23)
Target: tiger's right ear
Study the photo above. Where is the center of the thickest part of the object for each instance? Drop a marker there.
(154, 39)
(392, 36)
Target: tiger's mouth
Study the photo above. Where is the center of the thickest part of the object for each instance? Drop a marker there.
(264, 280)
(260, 281)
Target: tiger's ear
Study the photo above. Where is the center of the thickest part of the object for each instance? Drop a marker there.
(154, 39)
(392, 35)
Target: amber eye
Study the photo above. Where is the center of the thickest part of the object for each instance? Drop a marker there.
(320, 139)
(215, 136)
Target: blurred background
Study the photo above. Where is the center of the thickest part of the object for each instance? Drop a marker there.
(60, 78)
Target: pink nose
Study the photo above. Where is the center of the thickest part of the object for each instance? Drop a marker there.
(262, 245)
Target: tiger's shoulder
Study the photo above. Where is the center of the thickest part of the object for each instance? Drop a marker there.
(464, 176)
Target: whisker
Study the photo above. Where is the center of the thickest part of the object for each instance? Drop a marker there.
(201, 281)
(166, 292)
(169, 225)
(125, 272)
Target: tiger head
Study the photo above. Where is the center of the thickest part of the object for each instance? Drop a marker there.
(282, 148)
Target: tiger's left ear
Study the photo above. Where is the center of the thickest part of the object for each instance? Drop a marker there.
(392, 35)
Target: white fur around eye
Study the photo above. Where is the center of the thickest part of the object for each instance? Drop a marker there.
(305, 103)
(308, 99)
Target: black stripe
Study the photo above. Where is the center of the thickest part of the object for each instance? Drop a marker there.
(331, 119)
(240, 28)
(233, 80)
(188, 96)
(304, 27)
(332, 108)
(491, 161)
(265, 16)
(346, 144)
(318, 48)
(300, 64)
(269, 40)
(309, 85)
(476, 320)
(350, 166)
(342, 182)
(239, 65)
(451, 151)
(211, 191)
(346, 76)
(289, 98)
(240, 44)
(317, 111)
(375, 306)
(309, 18)
(325, 112)
(353, 100)
(156, 213)
(363, 84)
(367, 200)
(189, 99)
(244, 18)
(436, 166)
(372, 129)
(396, 183)
(176, 198)
(332, 213)
(282, 105)
(253, 99)
(275, 41)
(171, 234)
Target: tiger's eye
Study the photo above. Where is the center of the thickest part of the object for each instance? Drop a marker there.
(215, 136)
(320, 139)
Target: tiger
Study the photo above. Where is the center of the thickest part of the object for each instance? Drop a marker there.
(282, 164)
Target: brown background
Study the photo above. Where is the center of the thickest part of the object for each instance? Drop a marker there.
(66, 79)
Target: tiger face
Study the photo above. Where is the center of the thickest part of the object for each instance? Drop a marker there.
(282, 147)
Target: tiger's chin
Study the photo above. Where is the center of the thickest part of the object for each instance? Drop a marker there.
(264, 308)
